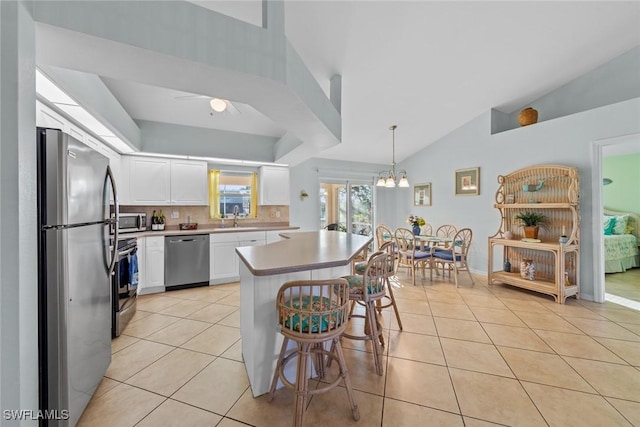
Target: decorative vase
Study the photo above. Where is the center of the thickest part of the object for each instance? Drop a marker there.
(416, 230)
(508, 235)
(507, 266)
(527, 269)
(531, 232)
(528, 116)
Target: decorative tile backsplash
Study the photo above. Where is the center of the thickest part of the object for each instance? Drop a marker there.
(267, 215)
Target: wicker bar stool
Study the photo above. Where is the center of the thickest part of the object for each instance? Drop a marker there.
(389, 248)
(312, 313)
(367, 289)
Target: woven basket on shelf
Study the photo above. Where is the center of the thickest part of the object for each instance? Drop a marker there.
(528, 116)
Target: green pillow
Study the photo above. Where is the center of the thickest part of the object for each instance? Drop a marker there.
(608, 222)
(620, 225)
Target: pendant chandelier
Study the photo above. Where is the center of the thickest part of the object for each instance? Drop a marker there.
(388, 178)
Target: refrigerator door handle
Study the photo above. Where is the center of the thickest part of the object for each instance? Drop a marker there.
(116, 219)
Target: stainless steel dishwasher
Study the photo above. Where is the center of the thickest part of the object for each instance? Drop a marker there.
(186, 261)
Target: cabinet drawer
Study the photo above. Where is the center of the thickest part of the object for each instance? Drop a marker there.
(237, 236)
(155, 242)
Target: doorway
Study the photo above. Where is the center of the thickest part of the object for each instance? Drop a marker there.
(618, 287)
(347, 206)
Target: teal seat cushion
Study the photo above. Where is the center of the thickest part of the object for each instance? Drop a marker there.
(314, 322)
(361, 266)
(356, 287)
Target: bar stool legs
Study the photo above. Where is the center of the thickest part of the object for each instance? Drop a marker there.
(393, 303)
(305, 352)
(313, 314)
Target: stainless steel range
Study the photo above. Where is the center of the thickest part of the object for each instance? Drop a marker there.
(124, 283)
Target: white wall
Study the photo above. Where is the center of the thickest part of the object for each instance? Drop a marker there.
(566, 140)
(306, 176)
(18, 245)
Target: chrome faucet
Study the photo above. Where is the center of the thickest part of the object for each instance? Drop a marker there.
(235, 216)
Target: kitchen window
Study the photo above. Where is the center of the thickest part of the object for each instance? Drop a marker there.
(228, 189)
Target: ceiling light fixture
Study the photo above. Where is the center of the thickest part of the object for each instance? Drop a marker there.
(218, 105)
(388, 178)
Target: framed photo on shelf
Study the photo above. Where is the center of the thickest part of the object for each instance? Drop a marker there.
(467, 182)
(422, 194)
(510, 198)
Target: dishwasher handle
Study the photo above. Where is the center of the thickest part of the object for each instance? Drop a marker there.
(186, 239)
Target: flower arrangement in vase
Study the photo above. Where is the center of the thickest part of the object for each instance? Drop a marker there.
(416, 222)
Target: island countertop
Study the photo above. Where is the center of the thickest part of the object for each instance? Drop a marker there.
(303, 251)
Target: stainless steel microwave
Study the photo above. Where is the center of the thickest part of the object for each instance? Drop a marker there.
(132, 222)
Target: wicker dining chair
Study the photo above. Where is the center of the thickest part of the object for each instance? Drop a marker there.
(426, 229)
(408, 256)
(446, 231)
(456, 256)
(383, 234)
(312, 313)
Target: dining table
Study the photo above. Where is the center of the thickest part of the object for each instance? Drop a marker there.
(427, 241)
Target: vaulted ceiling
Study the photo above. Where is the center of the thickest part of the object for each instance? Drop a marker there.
(428, 67)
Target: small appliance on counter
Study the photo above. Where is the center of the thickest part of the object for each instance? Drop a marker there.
(131, 222)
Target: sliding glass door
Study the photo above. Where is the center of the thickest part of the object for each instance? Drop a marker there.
(347, 206)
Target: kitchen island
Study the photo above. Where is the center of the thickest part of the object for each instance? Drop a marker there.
(311, 255)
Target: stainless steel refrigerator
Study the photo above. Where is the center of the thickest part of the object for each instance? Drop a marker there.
(75, 262)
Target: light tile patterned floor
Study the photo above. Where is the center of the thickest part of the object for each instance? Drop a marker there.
(472, 356)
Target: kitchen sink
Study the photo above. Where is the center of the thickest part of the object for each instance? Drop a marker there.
(235, 228)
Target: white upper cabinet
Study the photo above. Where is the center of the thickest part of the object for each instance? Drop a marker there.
(274, 185)
(189, 182)
(162, 182)
(149, 181)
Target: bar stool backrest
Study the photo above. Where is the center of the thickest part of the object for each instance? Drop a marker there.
(375, 276)
(312, 310)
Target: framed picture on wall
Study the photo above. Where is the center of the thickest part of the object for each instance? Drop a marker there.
(467, 182)
(422, 194)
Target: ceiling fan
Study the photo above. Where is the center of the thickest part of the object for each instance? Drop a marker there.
(217, 105)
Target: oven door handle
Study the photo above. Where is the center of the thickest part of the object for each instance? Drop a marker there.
(127, 252)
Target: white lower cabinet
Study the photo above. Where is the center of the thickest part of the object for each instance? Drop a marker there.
(224, 262)
(154, 267)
